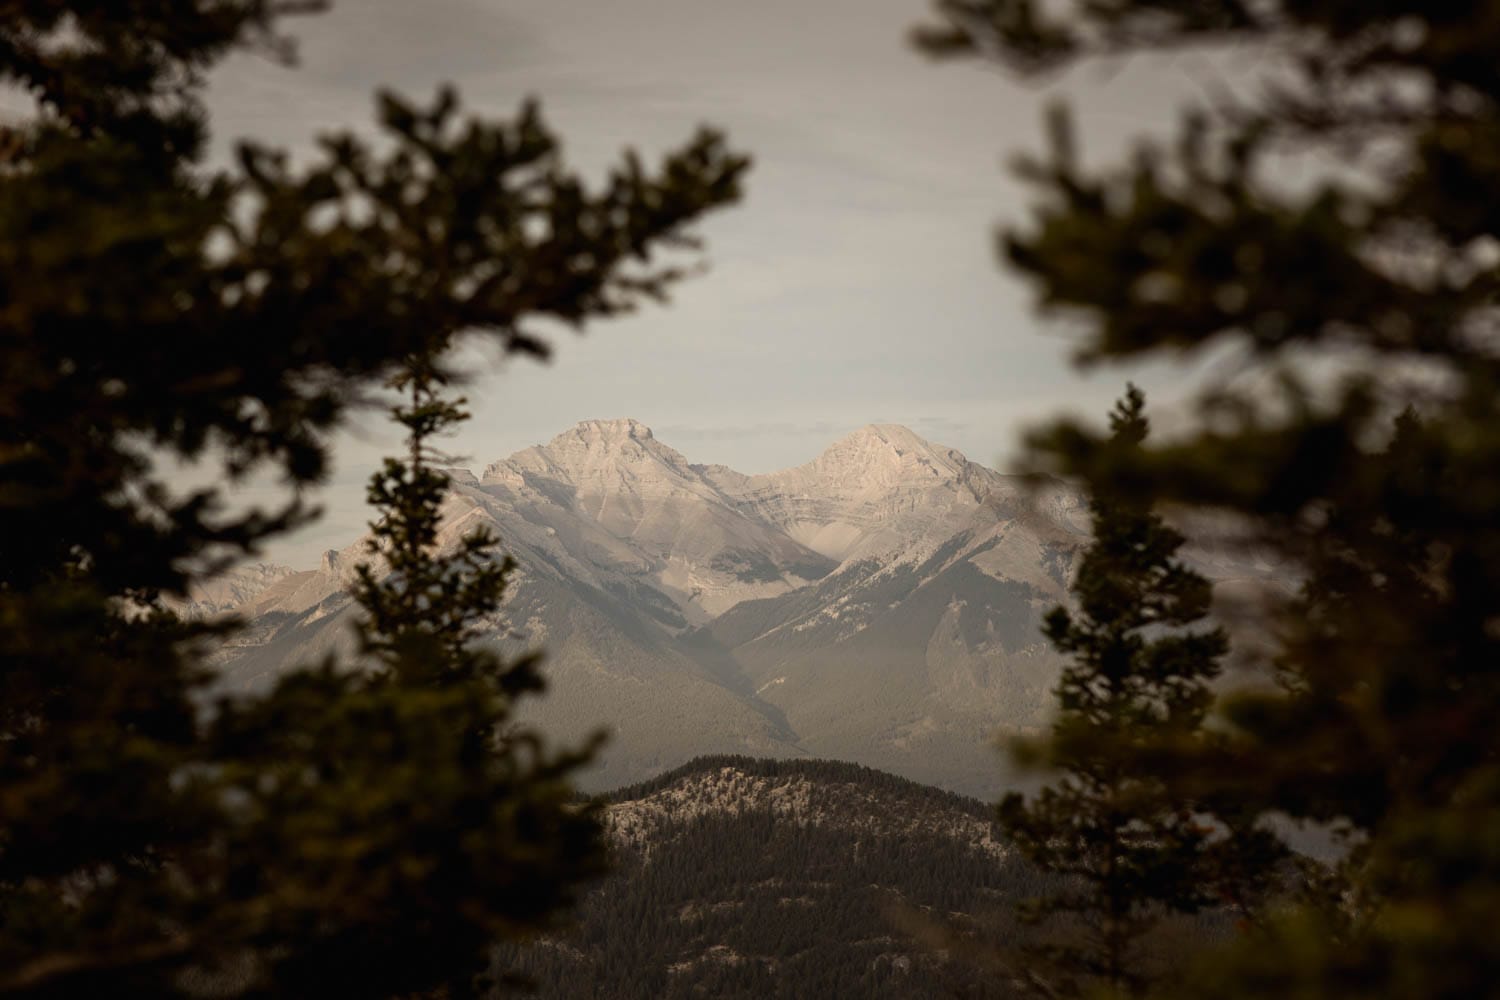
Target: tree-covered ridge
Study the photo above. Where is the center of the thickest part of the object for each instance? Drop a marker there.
(728, 892)
(800, 878)
(826, 771)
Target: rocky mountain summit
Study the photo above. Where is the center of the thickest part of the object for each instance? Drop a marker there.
(879, 604)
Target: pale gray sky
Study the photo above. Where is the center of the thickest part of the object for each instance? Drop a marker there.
(856, 283)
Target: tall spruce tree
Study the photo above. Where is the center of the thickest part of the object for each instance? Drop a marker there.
(159, 308)
(411, 767)
(1130, 850)
(1365, 291)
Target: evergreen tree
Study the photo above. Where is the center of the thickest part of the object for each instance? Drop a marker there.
(159, 309)
(1139, 677)
(1356, 295)
(469, 823)
(426, 609)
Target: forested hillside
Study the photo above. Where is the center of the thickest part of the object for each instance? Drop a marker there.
(772, 878)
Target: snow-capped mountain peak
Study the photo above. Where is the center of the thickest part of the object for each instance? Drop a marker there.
(874, 491)
(621, 507)
(601, 452)
(880, 603)
(882, 455)
(626, 436)
(864, 604)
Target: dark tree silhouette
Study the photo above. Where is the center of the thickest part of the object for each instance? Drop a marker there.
(1129, 847)
(1355, 296)
(155, 308)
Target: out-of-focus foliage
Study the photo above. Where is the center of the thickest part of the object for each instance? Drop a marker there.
(1129, 846)
(153, 306)
(1362, 441)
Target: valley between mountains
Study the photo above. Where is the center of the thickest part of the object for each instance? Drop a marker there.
(880, 604)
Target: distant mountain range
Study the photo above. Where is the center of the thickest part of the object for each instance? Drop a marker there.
(880, 604)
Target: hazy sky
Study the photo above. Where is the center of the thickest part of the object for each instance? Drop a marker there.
(856, 283)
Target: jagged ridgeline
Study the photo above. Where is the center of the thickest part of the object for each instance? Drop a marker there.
(881, 603)
(755, 878)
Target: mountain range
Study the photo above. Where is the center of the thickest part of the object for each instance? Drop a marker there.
(880, 604)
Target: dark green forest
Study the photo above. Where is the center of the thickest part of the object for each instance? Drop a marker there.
(744, 899)
(751, 903)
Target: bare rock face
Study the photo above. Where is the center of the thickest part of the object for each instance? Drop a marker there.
(236, 589)
(879, 604)
(878, 490)
(617, 498)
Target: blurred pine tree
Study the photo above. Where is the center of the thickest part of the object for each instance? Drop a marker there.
(1131, 847)
(1361, 439)
(153, 306)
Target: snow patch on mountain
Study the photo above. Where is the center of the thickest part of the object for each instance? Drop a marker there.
(881, 603)
(877, 492)
(794, 799)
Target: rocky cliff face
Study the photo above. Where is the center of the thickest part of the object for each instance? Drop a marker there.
(879, 604)
(878, 490)
(610, 499)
